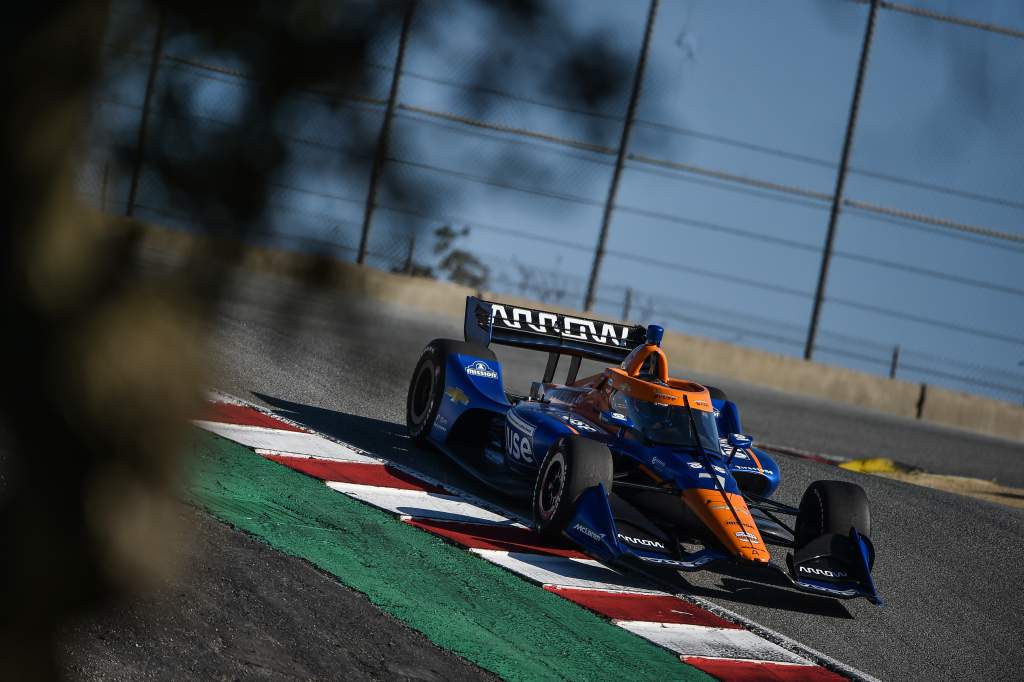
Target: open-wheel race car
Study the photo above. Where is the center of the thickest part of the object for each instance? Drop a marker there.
(637, 468)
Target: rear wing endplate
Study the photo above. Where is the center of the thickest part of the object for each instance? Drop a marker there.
(488, 322)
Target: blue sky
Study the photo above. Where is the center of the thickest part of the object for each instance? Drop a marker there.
(942, 105)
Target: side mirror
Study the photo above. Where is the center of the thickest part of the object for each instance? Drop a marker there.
(537, 391)
(617, 419)
(738, 440)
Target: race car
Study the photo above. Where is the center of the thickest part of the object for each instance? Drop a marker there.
(637, 468)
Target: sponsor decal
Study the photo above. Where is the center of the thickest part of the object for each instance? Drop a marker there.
(726, 449)
(643, 542)
(748, 536)
(589, 532)
(696, 465)
(830, 590)
(675, 562)
(718, 468)
(823, 572)
(519, 438)
(566, 327)
(657, 463)
(578, 423)
(457, 395)
(479, 368)
(565, 396)
(753, 470)
(619, 416)
(718, 413)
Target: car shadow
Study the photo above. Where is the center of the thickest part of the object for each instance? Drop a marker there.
(766, 588)
(382, 438)
(388, 440)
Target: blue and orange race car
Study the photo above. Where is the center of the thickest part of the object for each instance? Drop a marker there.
(637, 468)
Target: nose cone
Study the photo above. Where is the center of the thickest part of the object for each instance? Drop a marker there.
(740, 537)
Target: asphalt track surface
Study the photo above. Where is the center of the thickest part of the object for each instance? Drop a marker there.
(949, 567)
(240, 610)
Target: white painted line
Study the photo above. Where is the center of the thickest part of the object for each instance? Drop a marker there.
(564, 571)
(284, 442)
(699, 640)
(421, 505)
(215, 396)
(782, 640)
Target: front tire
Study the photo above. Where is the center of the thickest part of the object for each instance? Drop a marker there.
(571, 466)
(832, 507)
(426, 389)
(717, 393)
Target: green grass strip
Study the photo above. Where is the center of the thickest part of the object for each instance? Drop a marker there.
(462, 603)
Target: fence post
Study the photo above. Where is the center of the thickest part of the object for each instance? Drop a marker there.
(627, 303)
(103, 186)
(147, 100)
(384, 139)
(895, 361)
(627, 128)
(412, 250)
(837, 196)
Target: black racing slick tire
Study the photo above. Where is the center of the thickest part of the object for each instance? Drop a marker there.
(716, 393)
(832, 507)
(426, 389)
(571, 466)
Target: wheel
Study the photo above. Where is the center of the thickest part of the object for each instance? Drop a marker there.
(832, 507)
(571, 466)
(716, 393)
(427, 385)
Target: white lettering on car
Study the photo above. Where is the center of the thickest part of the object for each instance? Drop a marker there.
(547, 323)
(479, 368)
(589, 532)
(519, 438)
(643, 542)
(824, 572)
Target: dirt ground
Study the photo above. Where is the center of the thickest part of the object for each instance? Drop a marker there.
(971, 487)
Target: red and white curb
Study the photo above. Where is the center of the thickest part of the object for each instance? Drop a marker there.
(729, 648)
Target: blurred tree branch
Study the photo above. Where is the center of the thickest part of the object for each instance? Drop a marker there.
(104, 356)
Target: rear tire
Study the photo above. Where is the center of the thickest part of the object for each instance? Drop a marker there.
(426, 389)
(571, 466)
(832, 507)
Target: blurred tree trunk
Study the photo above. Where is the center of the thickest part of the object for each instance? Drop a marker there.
(88, 455)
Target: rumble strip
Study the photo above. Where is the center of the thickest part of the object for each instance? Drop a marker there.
(717, 645)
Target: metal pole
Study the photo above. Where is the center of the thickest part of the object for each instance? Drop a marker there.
(837, 197)
(412, 251)
(895, 361)
(103, 186)
(140, 144)
(627, 303)
(385, 133)
(627, 128)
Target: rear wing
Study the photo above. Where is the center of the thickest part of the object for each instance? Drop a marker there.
(488, 322)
